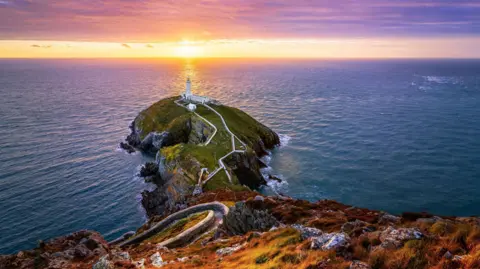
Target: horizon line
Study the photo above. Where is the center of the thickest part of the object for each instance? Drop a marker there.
(240, 58)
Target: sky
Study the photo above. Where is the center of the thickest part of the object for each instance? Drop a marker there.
(240, 28)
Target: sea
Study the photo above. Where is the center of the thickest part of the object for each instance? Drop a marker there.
(392, 135)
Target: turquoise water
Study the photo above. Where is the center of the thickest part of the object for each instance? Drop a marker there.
(397, 135)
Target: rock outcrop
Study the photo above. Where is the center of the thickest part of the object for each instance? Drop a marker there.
(61, 252)
(176, 137)
(241, 219)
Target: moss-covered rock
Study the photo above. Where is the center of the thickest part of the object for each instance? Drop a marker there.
(178, 138)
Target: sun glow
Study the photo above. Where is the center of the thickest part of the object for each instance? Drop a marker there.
(187, 49)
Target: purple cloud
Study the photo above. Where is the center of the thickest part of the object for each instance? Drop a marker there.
(150, 21)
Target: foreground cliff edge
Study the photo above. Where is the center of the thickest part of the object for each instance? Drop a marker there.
(205, 212)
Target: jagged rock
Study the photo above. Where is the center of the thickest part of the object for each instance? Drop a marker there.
(60, 252)
(246, 169)
(120, 256)
(200, 131)
(154, 202)
(273, 177)
(228, 250)
(329, 241)
(388, 218)
(81, 251)
(353, 226)
(394, 238)
(154, 141)
(133, 139)
(241, 219)
(149, 169)
(448, 255)
(157, 260)
(198, 190)
(259, 198)
(307, 232)
(359, 265)
(103, 263)
(127, 147)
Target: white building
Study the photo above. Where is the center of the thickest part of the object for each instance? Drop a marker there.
(188, 96)
(191, 107)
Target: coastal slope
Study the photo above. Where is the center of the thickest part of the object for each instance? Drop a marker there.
(214, 147)
(205, 213)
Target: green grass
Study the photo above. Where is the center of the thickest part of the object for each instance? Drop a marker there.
(166, 115)
(158, 116)
(241, 124)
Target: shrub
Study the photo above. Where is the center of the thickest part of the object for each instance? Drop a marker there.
(377, 259)
(441, 228)
(290, 258)
(261, 259)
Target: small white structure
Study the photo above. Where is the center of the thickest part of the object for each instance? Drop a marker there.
(191, 107)
(188, 96)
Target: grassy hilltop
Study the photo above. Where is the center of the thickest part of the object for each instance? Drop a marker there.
(189, 132)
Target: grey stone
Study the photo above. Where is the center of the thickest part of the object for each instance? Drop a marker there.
(198, 190)
(103, 263)
(121, 255)
(359, 265)
(392, 237)
(81, 251)
(157, 260)
(388, 218)
(259, 198)
(228, 250)
(353, 225)
(329, 241)
(307, 232)
(241, 219)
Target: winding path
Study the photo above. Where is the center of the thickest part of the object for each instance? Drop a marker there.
(216, 211)
(220, 161)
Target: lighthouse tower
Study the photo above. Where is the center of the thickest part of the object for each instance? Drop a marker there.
(188, 91)
(192, 98)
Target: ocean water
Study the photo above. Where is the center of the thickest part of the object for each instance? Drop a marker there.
(393, 135)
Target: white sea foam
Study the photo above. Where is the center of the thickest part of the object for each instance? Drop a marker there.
(441, 79)
(284, 139)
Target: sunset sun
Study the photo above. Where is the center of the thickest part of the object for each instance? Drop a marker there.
(186, 49)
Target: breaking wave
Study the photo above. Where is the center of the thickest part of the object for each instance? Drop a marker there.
(284, 140)
(442, 79)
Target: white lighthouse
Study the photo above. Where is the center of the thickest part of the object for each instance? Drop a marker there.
(189, 97)
(188, 91)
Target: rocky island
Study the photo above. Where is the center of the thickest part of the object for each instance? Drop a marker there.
(205, 211)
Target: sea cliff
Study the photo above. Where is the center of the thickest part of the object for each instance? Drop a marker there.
(205, 212)
(188, 147)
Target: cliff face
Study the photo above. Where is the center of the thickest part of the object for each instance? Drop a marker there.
(178, 139)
